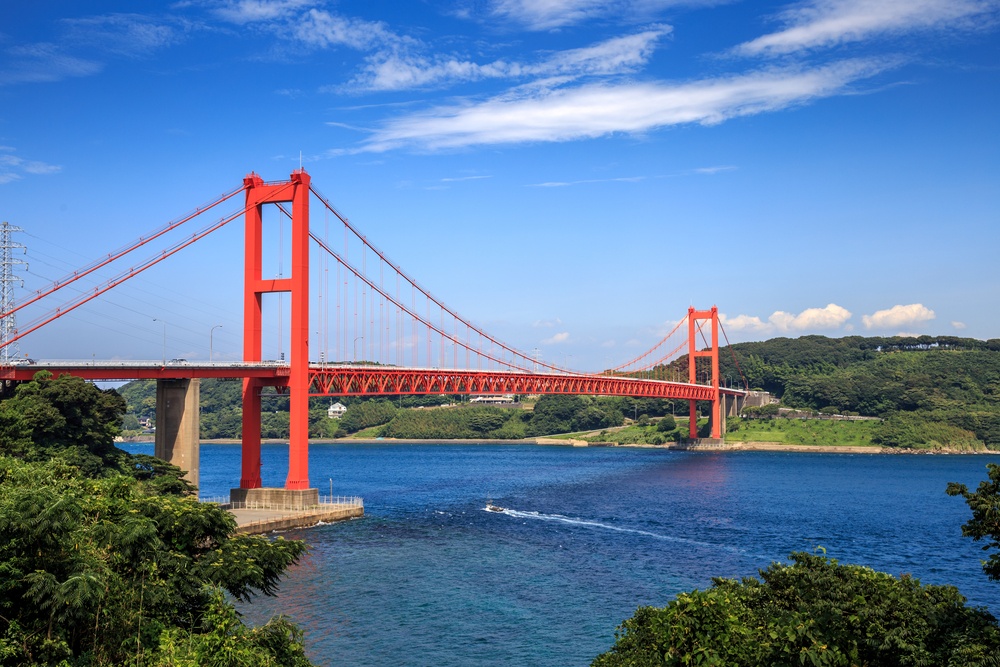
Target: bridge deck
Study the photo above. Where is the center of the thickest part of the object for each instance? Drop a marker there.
(374, 380)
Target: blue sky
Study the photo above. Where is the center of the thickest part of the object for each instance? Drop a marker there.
(569, 174)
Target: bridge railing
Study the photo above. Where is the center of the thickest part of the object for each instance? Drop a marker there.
(346, 502)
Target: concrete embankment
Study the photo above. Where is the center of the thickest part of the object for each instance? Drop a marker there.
(259, 521)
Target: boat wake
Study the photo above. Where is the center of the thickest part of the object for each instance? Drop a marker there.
(559, 518)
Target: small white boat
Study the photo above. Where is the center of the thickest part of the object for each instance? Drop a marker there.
(490, 507)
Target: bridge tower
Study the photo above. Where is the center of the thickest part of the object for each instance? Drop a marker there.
(258, 193)
(712, 353)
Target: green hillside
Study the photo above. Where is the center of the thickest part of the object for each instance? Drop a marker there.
(931, 391)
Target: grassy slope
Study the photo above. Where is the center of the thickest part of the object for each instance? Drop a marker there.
(818, 432)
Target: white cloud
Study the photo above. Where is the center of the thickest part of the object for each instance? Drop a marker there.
(714, 170)
(322, 29)
(613, 56)
(596, 110)
(824, 23)
(551, 14)
(958, 325)
(13, 167)
(563, 184)
(546, 324)
(399, 71)
(745, 323)
(898, 316)
(456, 179)
(253, 11)
(401, 66)
(123, 34)
(829, 317)
(43, 63)
(561, 337)
(547, 14)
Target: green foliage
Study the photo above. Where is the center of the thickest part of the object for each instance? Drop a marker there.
(103, 554)
(985, 522)
(222, 640)
(565, 414)
(818, 432)
(916, 431)
(811, 612)
(96, 569)
(65, 416)
(466, 421)
(944, 380)
(368, 413)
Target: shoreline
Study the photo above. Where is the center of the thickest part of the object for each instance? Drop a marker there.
(732, 446)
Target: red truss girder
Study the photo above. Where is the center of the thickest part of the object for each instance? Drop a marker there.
(376, 381)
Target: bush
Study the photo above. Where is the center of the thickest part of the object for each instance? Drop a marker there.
(913, 431)
(811, 612)
(666, 424)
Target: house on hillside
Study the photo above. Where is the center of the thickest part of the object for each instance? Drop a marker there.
(506, 399)
(336, 410)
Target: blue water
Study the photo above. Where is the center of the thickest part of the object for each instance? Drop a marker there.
(430, 578)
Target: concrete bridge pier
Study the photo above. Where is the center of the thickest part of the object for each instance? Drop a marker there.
(178, 424)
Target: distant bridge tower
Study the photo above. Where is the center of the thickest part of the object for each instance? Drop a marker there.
(712, 353)
(8, 324)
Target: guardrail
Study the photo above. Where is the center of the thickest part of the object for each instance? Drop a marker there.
(325, 502)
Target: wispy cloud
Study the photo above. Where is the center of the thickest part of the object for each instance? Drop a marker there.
(43, 63)
(243, 12)
(830, 317)
(402, 65)
(595, 110)
(898, 316)
(14, 168)
(552, 14)
(958, 325)
(323, 29)
(824, 23)
(714, 170)
(563, 184)
(98, 37)
(123, 34)
(456, 179)
(557, 339)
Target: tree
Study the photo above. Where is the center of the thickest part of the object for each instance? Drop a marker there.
(65, 416)
(97, 570)
(106, 558)
(666, 424)
(811, 612)
(985, 521)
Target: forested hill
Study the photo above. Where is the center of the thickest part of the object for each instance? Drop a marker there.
(931, 392)
(918, 384)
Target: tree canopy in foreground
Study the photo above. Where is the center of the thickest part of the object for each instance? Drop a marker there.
(813, 611)
(109, 559)
(985, 522)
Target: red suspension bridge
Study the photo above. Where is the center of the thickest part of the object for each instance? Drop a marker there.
(411, 342)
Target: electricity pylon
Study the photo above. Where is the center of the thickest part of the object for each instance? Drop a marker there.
(10, 351)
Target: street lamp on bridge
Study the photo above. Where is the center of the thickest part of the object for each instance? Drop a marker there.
(356, 347)
(164, 323)
(210, 332)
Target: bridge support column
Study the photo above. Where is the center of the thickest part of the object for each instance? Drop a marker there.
(177, 425)
(258, 193)
(713, 354)
(250, 435)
